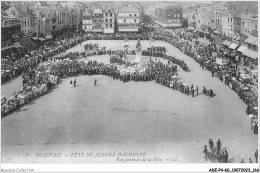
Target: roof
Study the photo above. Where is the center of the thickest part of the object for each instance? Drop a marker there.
(19, 10)
(97, 11)
(107, 9)
(128, 9)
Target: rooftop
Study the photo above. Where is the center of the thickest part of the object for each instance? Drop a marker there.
(128, 9)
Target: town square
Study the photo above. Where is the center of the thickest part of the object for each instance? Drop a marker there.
(99, 82)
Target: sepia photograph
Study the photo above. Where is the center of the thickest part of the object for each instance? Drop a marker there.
(129, 82)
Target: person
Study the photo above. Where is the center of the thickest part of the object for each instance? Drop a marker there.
(95, 82)
(71, 83)
(242, 161)
(74, 82)
(192, 92)
(218, 144)
(204, 90)
(205, 151)
(256, 155)
(250, 160)
(211, 144)
(197, 90)
(226, 157)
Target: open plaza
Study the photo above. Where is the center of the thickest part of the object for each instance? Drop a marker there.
(134, 116)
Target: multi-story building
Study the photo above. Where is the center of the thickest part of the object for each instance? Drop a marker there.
(10, 27)
(25, 18)
(218, 10)
(87, 20)
(109, 17)
(45, 20)
(169, 16)
(249, 23)
(228, 24)
(128, 19)
(97, 20)
(74, 15)
(62, 17)
(205, 16)
(237, 22)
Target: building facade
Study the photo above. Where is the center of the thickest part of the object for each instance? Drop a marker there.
(169, 16)
(218, 11)
(10, 27)
(97, 20)
(25, 18)
(205, 16)
(249, 23)
(109, 20)
(128, 19)
(87, 20)
(228, 24)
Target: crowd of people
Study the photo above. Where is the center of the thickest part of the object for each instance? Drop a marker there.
(17, 60)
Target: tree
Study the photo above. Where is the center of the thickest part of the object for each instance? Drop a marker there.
(185, 23)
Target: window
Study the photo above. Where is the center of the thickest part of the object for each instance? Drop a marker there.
(111, 20)
(125, 20)
(106, 14)
(110, 14)
(106, 25)
(135, 14)
(6, 23)
(135, 20)
(111, 25)
(106, 20)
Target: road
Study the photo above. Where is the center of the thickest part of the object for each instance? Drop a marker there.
(127, 117)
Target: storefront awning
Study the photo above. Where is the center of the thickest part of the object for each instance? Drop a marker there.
(251, 39)
(34, 38)
(233, 46)
(242, 49)
(48, 37)
(42, 39)
(250, 53)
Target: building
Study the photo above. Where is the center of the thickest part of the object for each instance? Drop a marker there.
(218, 10)
(237, 23)
(74, 14)
(45, 20)
(109, 17)
(205, 16)
(228, 24)
(24, 17)
(128, 19)
(10, 27)
(249, 23)
(169, 16)
(61, 17)
(87, 20)
(97, 20)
